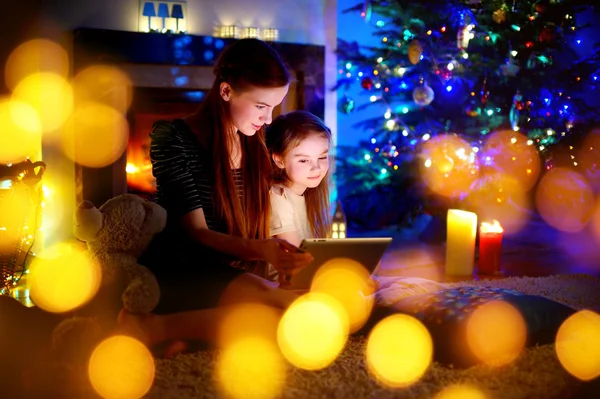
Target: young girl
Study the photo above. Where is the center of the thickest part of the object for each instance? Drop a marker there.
(299, 145)
(212, 172)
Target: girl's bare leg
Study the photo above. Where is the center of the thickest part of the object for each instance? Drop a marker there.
(203, 324)
(251, 288)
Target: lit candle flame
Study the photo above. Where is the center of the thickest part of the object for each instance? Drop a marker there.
(493, 227)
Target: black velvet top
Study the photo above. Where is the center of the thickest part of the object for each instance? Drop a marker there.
(182, 171)
(190, 276)
(184, 182)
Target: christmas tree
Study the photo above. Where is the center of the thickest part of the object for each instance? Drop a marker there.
(452, 73)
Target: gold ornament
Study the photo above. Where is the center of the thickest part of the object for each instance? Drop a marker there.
(414, 52)
(499, 16)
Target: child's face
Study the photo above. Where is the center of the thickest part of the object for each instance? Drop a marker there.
(307, 164)
(251, 109)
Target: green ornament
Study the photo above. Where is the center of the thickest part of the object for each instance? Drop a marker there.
(346, 104)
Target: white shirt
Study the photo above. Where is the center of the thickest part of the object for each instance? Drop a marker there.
(288, 213)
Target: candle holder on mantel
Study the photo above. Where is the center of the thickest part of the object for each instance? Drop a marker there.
(490, 248)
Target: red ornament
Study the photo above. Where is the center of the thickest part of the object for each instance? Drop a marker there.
(446, 74)
(367, 83)
(541, 6)
(547, 35)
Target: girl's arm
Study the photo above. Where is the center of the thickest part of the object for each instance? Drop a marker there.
(170, 166)
(242, 248)
(279, 253)
(291, 236)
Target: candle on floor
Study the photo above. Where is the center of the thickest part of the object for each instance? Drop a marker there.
(460, 242)
(490, 247)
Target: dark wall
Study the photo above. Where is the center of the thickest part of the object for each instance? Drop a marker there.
(19, 24)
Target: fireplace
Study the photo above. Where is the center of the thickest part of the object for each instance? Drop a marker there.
(169, 81)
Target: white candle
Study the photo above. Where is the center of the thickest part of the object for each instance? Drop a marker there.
(460, 242)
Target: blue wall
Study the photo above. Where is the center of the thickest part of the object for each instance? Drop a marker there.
(352, 27)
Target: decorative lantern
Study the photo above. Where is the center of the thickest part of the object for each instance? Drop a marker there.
(250, 33)
(20, 216)
(270, 34)
(338, 225)
(227, 32)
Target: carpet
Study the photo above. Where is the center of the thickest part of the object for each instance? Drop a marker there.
(535, 374)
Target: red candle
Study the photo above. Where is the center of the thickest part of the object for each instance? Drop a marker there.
(490, 247)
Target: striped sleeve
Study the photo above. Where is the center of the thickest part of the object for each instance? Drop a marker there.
(177, 190)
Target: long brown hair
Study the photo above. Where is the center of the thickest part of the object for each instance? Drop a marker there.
(246, 64)
(287, 132)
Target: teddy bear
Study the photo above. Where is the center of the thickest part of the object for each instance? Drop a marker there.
(116, 234)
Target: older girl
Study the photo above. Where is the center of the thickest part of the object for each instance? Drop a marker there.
(212, 172)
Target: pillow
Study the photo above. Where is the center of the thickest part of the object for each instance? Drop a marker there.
(445, 314)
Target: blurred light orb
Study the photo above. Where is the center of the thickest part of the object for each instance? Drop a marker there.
(461, 391)
(251, 367)
(313, 331)
(596, 221)
(496, 196)
(21, 131)
(565, 200)
(507, 152)
(50, 95)
(95, 136)
(485, 322)
(448, 166)
(63, 278)
(104, 84)
(350, 283)
(34, 56)
(399, 351)
(577, 345)
(248, 319)
(121, 367)
(588, 157)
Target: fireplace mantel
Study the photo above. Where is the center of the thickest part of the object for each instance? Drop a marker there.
(175, 64)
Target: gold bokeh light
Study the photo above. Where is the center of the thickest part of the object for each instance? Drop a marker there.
(34, 56)
(565, 200)
(507, 152)
(50, 95)
(21, 131)
(578, 346)
(399, 351)
(121, 367)
(96, 135)
(63, 278)
(103, 84)
(485, 322)
(313, 331)
(348, 282)
(448, 165)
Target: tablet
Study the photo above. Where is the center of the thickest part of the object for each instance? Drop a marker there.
(366, 251)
